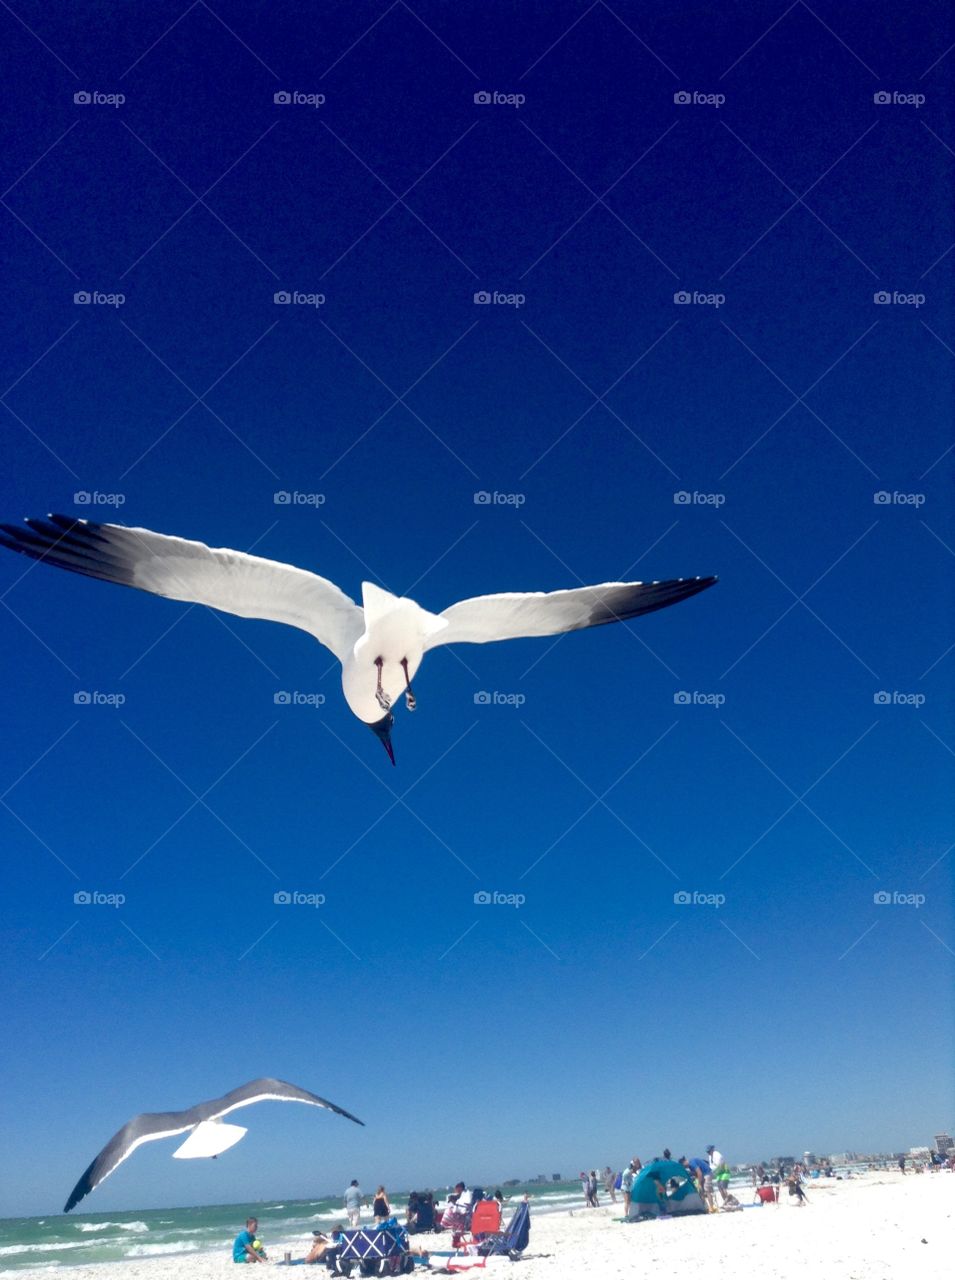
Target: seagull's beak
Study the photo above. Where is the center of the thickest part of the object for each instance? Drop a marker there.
(382, 731)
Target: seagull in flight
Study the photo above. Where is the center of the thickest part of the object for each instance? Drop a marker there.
(380, 644)
(208, 1136)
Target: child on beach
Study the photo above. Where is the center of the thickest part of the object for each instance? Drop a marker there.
(245, 1247)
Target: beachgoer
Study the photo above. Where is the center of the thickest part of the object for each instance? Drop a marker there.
(244, 1245)
(585, 1187)
(381, 1208)
(902, 1164)
(666, 1153)
(795, 1189)
(593, 1189)
(626, 1186)
(721, 1172)
(610, 1179)
(320, 1246)
(352, 1200)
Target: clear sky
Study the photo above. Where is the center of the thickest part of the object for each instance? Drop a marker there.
(805, 769)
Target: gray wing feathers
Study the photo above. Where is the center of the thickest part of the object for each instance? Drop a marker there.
(233, 581)
(512, 615)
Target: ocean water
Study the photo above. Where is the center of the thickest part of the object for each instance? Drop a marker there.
(79, 1238)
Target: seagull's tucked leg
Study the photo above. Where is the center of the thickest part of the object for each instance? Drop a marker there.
(410, 700)
(383, 700)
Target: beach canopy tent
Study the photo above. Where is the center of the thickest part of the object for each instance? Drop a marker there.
(645, 1197)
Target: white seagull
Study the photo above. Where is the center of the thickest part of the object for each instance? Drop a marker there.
(209, 1137)
(379, 645)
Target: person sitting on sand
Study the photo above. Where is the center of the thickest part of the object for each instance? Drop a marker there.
(320, 1246)
(245, 1247)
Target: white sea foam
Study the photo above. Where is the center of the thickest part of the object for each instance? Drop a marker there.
(148, 1250)
(137, 1228)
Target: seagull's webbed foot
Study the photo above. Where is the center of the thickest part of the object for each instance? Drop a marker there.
(410, 701)
(381, 697)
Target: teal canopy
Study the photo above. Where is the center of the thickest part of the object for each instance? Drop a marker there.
(645, 1184)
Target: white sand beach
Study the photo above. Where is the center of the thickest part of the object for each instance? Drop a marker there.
(880, 1226)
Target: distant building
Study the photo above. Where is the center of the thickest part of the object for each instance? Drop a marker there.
(555, 1177)
(944, 1144)
(920, 1153)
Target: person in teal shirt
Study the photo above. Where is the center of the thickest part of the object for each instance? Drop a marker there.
(243, 1246)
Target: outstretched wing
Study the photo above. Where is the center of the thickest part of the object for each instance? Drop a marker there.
(145, 1128)
(267, 1089)
(515, 614)
(232, 581)
(151, 1126)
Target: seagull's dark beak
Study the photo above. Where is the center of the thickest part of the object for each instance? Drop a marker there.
(382, 731)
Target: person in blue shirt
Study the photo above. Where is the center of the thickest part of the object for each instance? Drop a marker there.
(243, 1246)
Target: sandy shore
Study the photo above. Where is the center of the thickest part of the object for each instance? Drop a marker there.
(877, 1227)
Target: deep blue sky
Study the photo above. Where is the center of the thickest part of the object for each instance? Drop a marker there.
(601, 1017)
